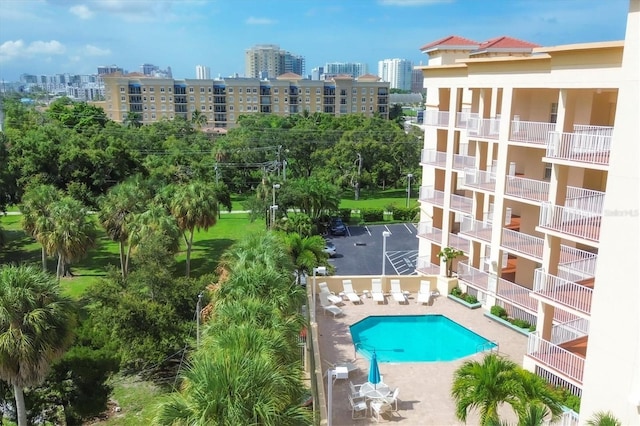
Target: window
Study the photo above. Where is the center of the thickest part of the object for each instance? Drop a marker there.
(548, 168)
(202, 90)
(191, 99)
(170, 98)
(241, 108)
(240, 90)
(209, 89)
(276, 91)
(152, 89)
(153, 116)
(122, 90)
(123, 98)
(144, 98)
(230, 98)
(162, 90)
(144, 89)
(230, 89)
(145, 116)
(276, 108)
(286, 91)
(170, 89)
(190, 89)
(192, 107)
(286, 100)
(163, 107)
(354, 91)
(317, 100)
(202, 98)
(255, 99)
(363, 100)
(318, 91)
(363, 108)
(255, 90)
(152, 98)
(371, 91)
(153, 107)
(306, 100)
(230, 107)
(232, 117)
(276, 100)
(210, 98)
(163, 99)
(203, 108)
(307, 91)
(553, 117)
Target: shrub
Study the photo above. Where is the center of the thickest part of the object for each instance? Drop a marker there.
(469, 298)
(532, 328)
(372, 215)
(345, 215)
(456, 292)
(499, 311)
(403, 213)
(521, 323)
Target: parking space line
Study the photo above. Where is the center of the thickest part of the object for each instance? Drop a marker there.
(367, 229)
(388, 230)
(410, 231)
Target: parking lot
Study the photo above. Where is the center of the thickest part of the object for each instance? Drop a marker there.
(360, 252)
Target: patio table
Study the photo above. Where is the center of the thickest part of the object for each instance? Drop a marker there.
(371, 391)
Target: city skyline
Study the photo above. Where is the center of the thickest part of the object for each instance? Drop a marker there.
(51, 37)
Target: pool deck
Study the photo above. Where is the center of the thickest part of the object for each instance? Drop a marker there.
(424, 396)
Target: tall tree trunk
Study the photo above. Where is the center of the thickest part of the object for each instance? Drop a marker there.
(44, 260)
(60, 266)
(122, 260)
(189, 244)
(21, 410)
(126, 262)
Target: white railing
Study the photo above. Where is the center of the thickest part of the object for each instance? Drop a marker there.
(461, 162)
(570, 221)
(480, 179)
(461, 204)
(593, 130)
(488, 216)
(580, 147)
(522, 243)
(476, 229)
(554, 356)
(433, 158)
(487, 128)
(584, 199)
(566, 292)
(436, 118)
(567, 418)
(532, 132)
(570, 330)
(463, 118)
(430, 195)
(473, 276)
(427, 231)
(516, 294)
(528, 189)
(578, 261)
(424, 266)
(459, 243)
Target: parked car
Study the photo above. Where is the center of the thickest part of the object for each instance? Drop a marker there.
(330, 249)
(337, 227)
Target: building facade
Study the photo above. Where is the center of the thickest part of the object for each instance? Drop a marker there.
(223, 101)
(397, 72)
(203, 72)
(530, 169)
(269, 61)
(353, 69)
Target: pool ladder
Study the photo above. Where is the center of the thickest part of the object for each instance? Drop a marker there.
(483, 347)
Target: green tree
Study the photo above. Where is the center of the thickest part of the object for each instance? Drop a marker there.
(603, 418)
(36, 327)
(306, 252)
(198, 119)
(447, 255)
(132, 119)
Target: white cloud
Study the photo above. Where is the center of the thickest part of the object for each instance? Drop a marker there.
(14, 49)
(260, 21)
(81, 11)
(52, 47)
(92, 50)
(11, 49)
(412, 2)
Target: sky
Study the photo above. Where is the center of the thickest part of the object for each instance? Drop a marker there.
(45, 37)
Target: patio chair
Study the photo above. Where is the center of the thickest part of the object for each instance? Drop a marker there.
(349, 292)
(358, 408)
(355, 391)
(393, 399)
(379, 407)
(333, 298)
(327, 306)
(424, 294)
(397, 293)
(376, 290)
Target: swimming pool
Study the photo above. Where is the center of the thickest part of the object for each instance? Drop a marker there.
(416, 338)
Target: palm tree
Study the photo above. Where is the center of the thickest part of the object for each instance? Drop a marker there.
(485, 386)
(133, 119)
(194, 206)
(306, 253)
(603, 418)
(537, 392)
(198, 119)
(36, 213)
(36, 327)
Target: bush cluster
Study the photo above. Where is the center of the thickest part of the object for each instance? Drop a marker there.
(502, 313)
(469, 298)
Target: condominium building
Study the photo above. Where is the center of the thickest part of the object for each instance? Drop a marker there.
(397, 72)
(223, 101)
(530, 168)
(203, 72)
(354, 69)
(269, 61)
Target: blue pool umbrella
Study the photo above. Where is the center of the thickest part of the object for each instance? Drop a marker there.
(374, 372)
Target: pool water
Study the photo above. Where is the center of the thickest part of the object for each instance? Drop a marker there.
(416, 338)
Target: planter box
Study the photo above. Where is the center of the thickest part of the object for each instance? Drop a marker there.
(464, 303)
(506, 323)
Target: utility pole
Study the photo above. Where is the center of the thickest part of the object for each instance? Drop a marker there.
(359, 160)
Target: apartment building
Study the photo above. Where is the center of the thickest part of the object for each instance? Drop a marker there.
(269, 61)
(397, 72)
(223, 101)
(530, 167)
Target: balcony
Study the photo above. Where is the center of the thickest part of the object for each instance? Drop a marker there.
(427, 231)
(516, 294)
(570, 221)
(461, 204)
(587, 145)
(430, 195)
(568, 363)
(530, 132)
(424, 266)
(485, 128)
(527, 189)
(584, 199)
(461, 162)
(459, 243)
(473, 277)
(476, 229)
(569, 330)
(480, 179)
(431, 157)
(436, 118)
(463, 118)
(522, 243)
(563, 292)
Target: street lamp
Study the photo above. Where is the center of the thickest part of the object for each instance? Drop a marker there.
(409, 176)
(385, 235)
(274, 207)
(322, 270)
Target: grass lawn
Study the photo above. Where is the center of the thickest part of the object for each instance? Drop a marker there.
(379, 199)
(137, 400)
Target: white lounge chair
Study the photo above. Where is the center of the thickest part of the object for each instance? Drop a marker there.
(327, 306)
(333, 298)
(397, 293)
(358, 408)
(424, 294)
(349, 292)
(376, 290)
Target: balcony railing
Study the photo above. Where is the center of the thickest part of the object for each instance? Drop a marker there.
(461, 162)
(473, 277)
(583, 147)
(584, 199)
(561, 360)
(570, 330)
(461, 204)
(530, 132)
(480, 179)
(516, 294)
(459, 243)
(570, 221)
(522, 243)
(424, 266)
(528, 189)
(579, 264)
(486, 128)
(427, 231)
(432, 157)
(463, 118)
(562, 291)
(436, 118)
(430, 195)
(476, 229)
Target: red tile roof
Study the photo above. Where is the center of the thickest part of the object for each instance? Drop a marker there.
(289, 76)
(452, 40)
(368, 77)
(506, 42)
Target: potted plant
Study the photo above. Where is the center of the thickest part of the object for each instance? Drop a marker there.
(447, 255)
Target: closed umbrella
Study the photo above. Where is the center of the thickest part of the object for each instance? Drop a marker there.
(374, 372)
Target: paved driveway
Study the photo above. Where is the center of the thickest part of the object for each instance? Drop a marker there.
(360, 251)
